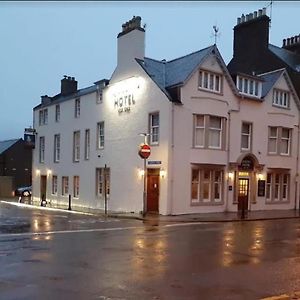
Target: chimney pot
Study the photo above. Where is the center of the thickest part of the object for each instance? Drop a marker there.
(260, 12)
(247, 18)
(243, 18)
(264, 11)
(250, 16)
(255, 14)
(283, 42)
(238, 20)
(292, 40)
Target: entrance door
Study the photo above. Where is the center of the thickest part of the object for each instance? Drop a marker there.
(243, 192)
(152, 190)
(43, 186)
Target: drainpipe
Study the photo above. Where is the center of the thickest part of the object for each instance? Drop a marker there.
(297, 165)
(172, 159)
(228, 157)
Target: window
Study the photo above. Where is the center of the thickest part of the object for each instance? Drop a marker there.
(76, 186)
(207, 186)
(279, 140)
(215, 132)
(209, 81)
(100, 135)
(281, 98)
(77, 108)
(249, 86)
(87, 144)
(76, 146)
(199, 131)
(208, 131)
(56, 147)
(102, 181)
(54, 185)
(43, 117)
(42, 149)
(57, 113)
(99, 96)
(65, 185)
(246, 136)
(154, 128)
(277, 187)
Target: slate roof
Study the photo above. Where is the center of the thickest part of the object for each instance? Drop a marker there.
(167, 74)
(4, 145)
(270, 79)
(288, 57)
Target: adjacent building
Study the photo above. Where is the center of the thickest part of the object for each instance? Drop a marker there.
(220, 140)
(15, 166)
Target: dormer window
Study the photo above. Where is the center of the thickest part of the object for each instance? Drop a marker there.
(210, 81)
(281, 98)
(249, 86)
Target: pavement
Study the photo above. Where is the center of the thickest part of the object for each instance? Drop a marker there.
(156, 218)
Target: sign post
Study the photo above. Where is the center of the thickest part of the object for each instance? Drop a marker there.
(144, 153)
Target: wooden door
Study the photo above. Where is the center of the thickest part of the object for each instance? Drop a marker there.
(43, 187)
(152, 190)
(243, 193)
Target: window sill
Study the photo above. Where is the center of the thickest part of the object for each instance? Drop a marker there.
(210, 91)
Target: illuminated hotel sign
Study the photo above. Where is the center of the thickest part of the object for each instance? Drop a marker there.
(124, 101)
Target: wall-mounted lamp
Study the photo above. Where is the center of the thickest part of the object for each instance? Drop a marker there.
(49, 172)
(230, 175)
(162, 173)
(37, 172)
(260, 176)
(141, 173)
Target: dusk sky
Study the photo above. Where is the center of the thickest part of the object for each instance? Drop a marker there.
(43, 41)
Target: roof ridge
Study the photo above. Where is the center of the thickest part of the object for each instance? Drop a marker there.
(16, 139)
(212, 46)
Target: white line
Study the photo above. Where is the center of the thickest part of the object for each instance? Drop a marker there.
(46, 208)
(67, 231)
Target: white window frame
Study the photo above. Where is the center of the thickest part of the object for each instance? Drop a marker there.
(247, 135)
(56, 148)
(42, 149)
(76, 146)
(277, 190)
(43, 116)
(210, 81)
(87, 141)
(57, 113)
(154, 128)
(54, 184)
(77, 107)
(198, 128)
(218, 130)
(208, 131)
(281, 98)
(65, 185)
(100, 135)
(199, 181)
(249, 86)
(280, 139)
(76, 186)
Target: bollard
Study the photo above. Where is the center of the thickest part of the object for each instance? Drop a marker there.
(69, 208)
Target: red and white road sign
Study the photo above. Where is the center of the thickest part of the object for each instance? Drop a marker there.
(144, 151)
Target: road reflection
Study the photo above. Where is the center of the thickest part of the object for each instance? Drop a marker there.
(149, 257)
(243, 244)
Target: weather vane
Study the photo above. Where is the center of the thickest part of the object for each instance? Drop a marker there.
(216, 33)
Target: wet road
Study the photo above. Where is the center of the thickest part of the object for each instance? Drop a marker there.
(64, 256)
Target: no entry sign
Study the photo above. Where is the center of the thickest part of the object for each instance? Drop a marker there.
(144, 151)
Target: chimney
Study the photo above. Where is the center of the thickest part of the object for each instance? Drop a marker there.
(131, 41)
(45, 100)
(68, 85)
(292, 44)
(251, 33)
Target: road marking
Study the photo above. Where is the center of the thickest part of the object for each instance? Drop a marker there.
(68, 231)
(46, 208)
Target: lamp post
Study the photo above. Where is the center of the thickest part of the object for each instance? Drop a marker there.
(144, 153)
